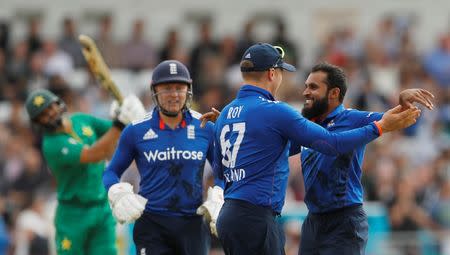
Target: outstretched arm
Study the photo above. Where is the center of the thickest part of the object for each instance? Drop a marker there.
(102, 149)
(307, 133)
(131, 109)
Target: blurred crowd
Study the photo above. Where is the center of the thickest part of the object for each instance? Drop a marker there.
(408, 172)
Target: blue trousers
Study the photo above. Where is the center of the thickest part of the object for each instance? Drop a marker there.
(155, 234)
(344, 231)
(245, 228)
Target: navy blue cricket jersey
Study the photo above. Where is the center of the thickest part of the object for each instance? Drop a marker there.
(252, 137)
(170, 162)
(333, 182)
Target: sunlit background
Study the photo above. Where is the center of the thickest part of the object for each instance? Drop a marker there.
(384, 46)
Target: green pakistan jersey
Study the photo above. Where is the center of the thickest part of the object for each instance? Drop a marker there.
(76, 182)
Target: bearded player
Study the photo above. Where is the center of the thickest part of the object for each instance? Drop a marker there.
(75, 148)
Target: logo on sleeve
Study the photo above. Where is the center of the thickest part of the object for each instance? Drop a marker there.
(150, 135)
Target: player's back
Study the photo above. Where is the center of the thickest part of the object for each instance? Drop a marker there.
(254, 152)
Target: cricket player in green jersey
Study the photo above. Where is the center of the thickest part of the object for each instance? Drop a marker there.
(75, 148)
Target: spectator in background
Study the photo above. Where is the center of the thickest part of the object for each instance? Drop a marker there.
(137, 53)
(4, 35)
(36, 77)
(106, 44)
(58, 85)
(4, 235)
(437, 63)
(204, 47)
(172, 48)
(406, 215)
(212, 75)
(281, 39)
(17, 64)
(444, 114)
(32, 175)
(387, 38)
(370, 100)
(347, 43)
(57, 62)
(227, 49)
(3, 78)
(32, 228)
(246, 39)
(69, 43)
(34, 40)
(441, 213)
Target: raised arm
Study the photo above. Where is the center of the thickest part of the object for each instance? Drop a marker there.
(130, 110)
(307, 133)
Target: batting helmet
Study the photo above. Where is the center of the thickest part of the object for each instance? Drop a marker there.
(38, 101)
(171, 71)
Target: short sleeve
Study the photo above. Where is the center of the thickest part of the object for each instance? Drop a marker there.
(62, 150)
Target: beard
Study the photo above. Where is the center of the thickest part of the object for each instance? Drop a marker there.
(52, 126)
(318, 107)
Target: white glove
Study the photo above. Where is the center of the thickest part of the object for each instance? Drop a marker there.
(131, 109)
(125, 204)
(211, 207)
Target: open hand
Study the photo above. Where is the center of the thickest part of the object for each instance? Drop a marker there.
(408, 97)
(397, 118)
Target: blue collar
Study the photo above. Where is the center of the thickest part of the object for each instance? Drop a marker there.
(157, 122)
(335, 112)
(250, 90)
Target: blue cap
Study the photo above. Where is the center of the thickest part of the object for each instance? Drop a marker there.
(170, 71)
(264, 56)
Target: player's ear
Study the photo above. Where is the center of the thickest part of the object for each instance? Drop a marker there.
(271, 74)
(334, 93)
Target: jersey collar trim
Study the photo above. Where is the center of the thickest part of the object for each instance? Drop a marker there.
(162, 125)
(336, 112)
(250, 90)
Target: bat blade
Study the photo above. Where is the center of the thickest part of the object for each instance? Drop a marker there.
(98, 67)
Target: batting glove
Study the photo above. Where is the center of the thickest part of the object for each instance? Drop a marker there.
(211, 207)
(125, 204)
(131, 109)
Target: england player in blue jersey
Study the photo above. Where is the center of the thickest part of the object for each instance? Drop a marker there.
(170, 150)
(336, 222)
(253, 137)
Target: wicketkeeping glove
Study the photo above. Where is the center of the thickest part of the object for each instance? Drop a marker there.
(125, 204)
(131, 109)
(211, 207)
